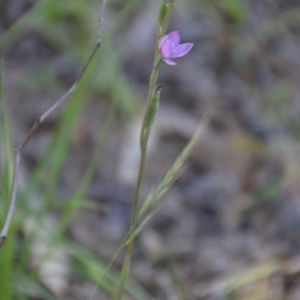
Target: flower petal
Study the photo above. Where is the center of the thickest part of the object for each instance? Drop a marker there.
(182, 50)
(166, 49)
(169, 61)
(175, 38)
(162, 40)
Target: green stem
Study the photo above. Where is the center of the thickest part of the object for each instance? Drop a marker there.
(129, 250)
(145, 130)
(143, 148)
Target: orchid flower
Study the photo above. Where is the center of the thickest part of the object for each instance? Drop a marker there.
(169, 47)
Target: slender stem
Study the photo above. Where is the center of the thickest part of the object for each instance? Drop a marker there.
(153, 80)
(144, 135)
(129, 250)
(143, 148)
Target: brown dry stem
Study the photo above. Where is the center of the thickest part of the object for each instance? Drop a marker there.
(19, 150)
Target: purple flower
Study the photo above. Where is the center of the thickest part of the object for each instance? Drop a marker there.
(169, 47)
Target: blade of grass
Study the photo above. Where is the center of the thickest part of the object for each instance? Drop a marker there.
(172, 174)
(158, 193)
(90, 267)
(121, 18)
(89, 172)
(38, 176)
(6, 260)
(39, 121)
(71, 208)
(53, 161)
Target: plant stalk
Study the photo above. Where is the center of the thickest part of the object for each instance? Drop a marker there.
(143, 149)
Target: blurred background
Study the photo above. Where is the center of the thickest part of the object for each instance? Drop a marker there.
(229, 226)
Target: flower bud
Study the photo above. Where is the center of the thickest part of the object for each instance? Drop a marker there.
(154, 104)
(162, 14)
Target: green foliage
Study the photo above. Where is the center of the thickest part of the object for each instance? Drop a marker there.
(277, 106)
(48, 18)
(234, 10)
(6, 260)
(162, 14)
